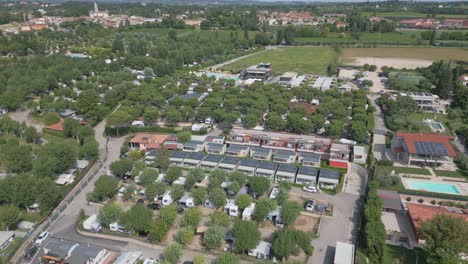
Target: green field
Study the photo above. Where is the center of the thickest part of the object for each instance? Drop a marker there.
(444, 173)
(409, 15)
(311, 60)
(404, 81)
(394, 254)
(365, 37)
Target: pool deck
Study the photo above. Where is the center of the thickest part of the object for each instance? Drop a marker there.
(461, 186)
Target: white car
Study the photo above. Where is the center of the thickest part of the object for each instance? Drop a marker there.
(310, 188)
(42, 238)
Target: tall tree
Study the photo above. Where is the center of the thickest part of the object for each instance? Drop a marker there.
(246, 235)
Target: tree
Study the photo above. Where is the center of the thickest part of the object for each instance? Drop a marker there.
(177, 192)
(162, 158)
(446, 237)
(184, 136)
(444, 85)
(214, 236)
(172, 35)
(90, 148)
(335, 128)
(218, 197)
(18, 158)
(433, 38)
(289, 212)
(259, 184)
(243, 201)
(154, 189)
(185, 234)
(284, 243)
(109, 213)
(104, 188)
(275, 122)
(172, 174)
(220, 218)
(199, 195)
(51, 118)
(172, 253)
(9, 215)
(192, 217)
(118, 120)
(262, 208)
(87, 101)
(138, 218)
(148, 176)
(228, 258)
(150, 115)
(246, 236)
(121, 167)
(31, 135)
(359, 131)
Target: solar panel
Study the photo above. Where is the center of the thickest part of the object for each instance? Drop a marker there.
(430, 148)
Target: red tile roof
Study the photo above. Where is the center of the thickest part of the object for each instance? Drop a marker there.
(410, 138)
(57, 127)
(150, 141)
(420, 212)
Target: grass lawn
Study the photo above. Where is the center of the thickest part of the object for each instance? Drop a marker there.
(444, 173)
(312, 60)
(395, 254)
(403, 170)
(410, 15)
(6, 253)
(426, 53)
(365, 37)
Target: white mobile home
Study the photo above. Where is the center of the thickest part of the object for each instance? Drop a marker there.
(187, 200)
(92, 224)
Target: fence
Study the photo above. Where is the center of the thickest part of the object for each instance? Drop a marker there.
(26, 241)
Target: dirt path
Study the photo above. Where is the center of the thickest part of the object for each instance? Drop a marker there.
(220, 65)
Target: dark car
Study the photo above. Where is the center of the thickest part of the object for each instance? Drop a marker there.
(154, 206)
(140, 201)
(187, 262)
(29, 254)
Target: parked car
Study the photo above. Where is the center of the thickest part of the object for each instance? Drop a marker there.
(310, 188)
(154, 206)
(309, 206)
(41, 238)
(30, 253)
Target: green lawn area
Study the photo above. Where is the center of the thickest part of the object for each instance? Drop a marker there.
(444, 173)
(6, 253)
(413, 122)
(403, 170)
(395, 254)
(311, 60)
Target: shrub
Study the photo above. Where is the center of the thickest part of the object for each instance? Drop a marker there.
(420, 200)
(433, 202)
(386, 163)
(185, 234)
(408, 199)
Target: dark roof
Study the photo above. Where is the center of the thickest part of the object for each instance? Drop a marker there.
(213, 158)
(308, 171)
(179, 154)
(267, 165)
(248, 163)
(195, 156)
(284, 154)
(193, 143)
(310, 157)
(215, 146)
(230, 160)
(236, 148)
(329, 174)
(59, 247)
(390, 199)
(82, 253)
(261, 151)
(287, 168)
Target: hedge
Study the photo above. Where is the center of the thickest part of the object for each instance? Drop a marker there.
(53, 132)
(435, 195)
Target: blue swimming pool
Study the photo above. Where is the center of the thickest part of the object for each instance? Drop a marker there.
(222, 76)
(432, 186)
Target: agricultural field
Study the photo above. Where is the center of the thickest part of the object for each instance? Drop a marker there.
(404, 81)
(428, 53)
(312, 60)
(410, 15)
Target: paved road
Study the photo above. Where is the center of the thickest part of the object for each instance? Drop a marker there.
(380, 130)
(221, 65)
(343, 226)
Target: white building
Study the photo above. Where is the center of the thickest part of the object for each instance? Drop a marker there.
(248, 212)
(96, 14)
(344, 253)
(262, 251)
(92, 224)
(359, 154)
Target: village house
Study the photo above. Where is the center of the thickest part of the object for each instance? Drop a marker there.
(328, 179)
(177, 157)
(339, 155)
(266, 169)
(309, 159)
(286, 172)
(229, 163)
(237, 151)
(247, 166)
(260, 153)
(359, 154)
(215, 148)
(423, 149)
(146, 141)
(211, 161)
(193, 159)
(194, 146)
(307, 176)
(284, 156)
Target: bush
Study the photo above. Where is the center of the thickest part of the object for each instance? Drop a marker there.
(185, 235)
(408, 199)
(386, 163)
(220, 218)
(433, 202)
(191, 217)
(420, 200)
